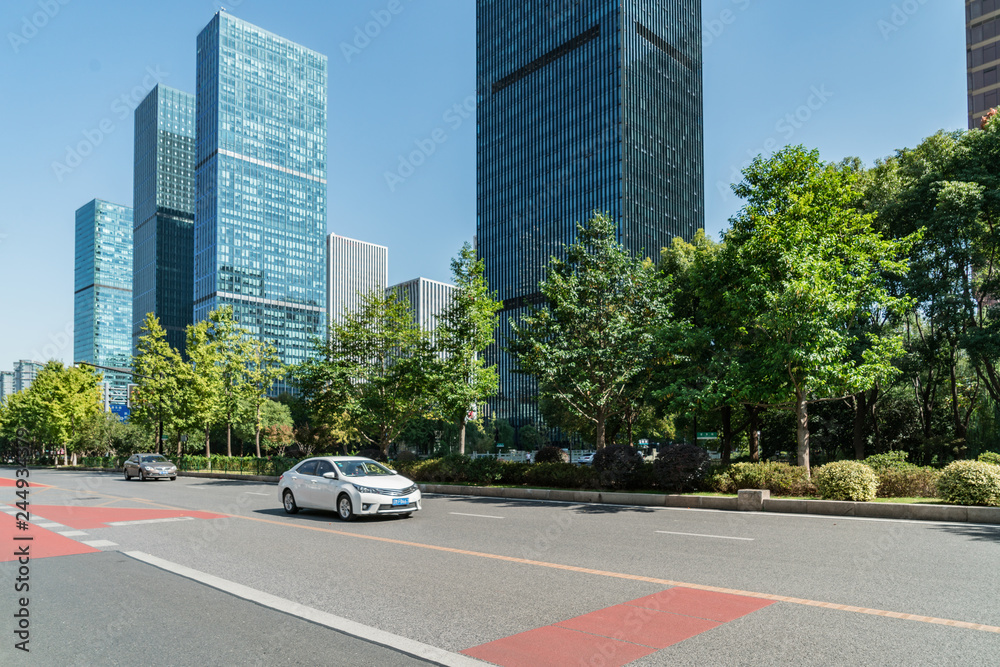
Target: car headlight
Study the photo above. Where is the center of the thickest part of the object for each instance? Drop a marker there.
(367, 489)
(148, 468)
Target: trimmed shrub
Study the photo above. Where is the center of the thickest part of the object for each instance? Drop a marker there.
(990, 457)
(561, 475)
(617, 466)
(888, 461)
(680, 467)
(781, 479)
(551, 454)
(846, 480)
(910, 482)
(970, 483)
(486, 470)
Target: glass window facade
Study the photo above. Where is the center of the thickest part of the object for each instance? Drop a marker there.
(593, 105)
(102, 310)
(163, 263)
(427, 300)
(353, 268)
(260, 174)
(982, 38)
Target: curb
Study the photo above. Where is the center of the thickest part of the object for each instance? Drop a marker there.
(949, 513)
(184, 473)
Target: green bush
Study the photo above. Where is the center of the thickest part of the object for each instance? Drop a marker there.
(680, 467)
(970, 483)
(888, 461)
(781, 479)
(485, 470)
(618, 466)
(846, 480)
(910, 482)
(990, 457)
(551, 454)
(561, 475)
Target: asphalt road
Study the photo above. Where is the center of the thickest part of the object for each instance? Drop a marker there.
(465, 572)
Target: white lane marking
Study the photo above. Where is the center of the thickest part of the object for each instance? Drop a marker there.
(481, 516)
(410, 646)
(98, 543)
(50, 525)
(719, 537)
(138, 521)
(254, 493)
(72, 533)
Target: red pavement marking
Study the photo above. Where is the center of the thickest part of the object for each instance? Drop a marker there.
(617, 635)
(722, 607)
(553, 646)
(44, 543)
(639, 626)
(6, 481)
(83, 518)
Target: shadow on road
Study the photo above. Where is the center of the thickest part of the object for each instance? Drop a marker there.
(582, 508)
(234, 483)
(325, 517)
(975, 533)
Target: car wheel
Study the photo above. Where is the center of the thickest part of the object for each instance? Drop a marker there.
(288, 501)
(172, 478)
(128, 477)
(345, 510)
(142, 476)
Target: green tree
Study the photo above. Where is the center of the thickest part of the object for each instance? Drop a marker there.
(591, 345)
(60, 402)
(464, 330)
(203, 389)
(799, 266)
(159, 373)
(231, 352)
(264, 368)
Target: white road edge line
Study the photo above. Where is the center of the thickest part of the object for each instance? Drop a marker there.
(346, 626)
(71, 533)
(254, 493)
(140, 521)
(718, 537)
(481, 516)
(98, 543)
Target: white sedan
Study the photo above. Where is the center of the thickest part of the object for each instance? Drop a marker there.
(350, 486)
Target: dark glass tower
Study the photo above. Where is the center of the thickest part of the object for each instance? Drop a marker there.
(982, 38)
(163, 186)
(260, 209)
(582, 106)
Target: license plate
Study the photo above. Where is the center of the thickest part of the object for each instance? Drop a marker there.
(400, 501)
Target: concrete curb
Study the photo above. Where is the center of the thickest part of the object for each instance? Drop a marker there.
(184, 473)
(949, 513)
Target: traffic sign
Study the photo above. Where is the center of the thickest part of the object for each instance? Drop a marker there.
(708, 435)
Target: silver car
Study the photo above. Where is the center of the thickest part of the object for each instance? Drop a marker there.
(350, 486)
(149, 466)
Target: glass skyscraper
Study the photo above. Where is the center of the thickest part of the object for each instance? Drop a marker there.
(353, 268)
(582, 106)
(982, 38)
(260, 205)
(102, 309)
(163, 264)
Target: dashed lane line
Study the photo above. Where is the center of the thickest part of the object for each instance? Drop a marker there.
(718, 537)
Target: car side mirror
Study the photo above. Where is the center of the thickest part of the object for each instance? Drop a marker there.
(330, 475)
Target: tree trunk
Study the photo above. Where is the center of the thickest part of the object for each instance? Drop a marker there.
(802, 430)
(599, 431)
(860, 419)
(208, 449)
(257, 428)
(159, 439)
(229, 436)
(461, 432)
(727, 435)
(754, 434)
(178, 446)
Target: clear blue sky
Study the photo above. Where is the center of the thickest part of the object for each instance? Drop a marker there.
(878, 81)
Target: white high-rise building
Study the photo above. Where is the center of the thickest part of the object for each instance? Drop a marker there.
(427, 298)
(353, 268)
(6, 384)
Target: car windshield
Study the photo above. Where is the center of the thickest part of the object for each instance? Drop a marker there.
(155, 458)
(362, 469)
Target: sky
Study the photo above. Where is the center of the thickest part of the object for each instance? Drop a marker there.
(851, 78)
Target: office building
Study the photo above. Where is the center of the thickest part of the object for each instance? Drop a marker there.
(25, 372)
(163, 232)
(6, 384)
(427, 299)
(260, 184)
(102, 309)
(353, 268)
(982, 38)
(582, 106)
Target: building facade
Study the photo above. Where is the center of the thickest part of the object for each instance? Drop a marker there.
(6, 384)
(260, 184)
(583, 106)
(353, 268)
(982, 38)
(163, 232)
(427, 299)
(25, 372)
(102, 309)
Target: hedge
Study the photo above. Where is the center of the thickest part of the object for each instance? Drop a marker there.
(970, 483)
(846, 480)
